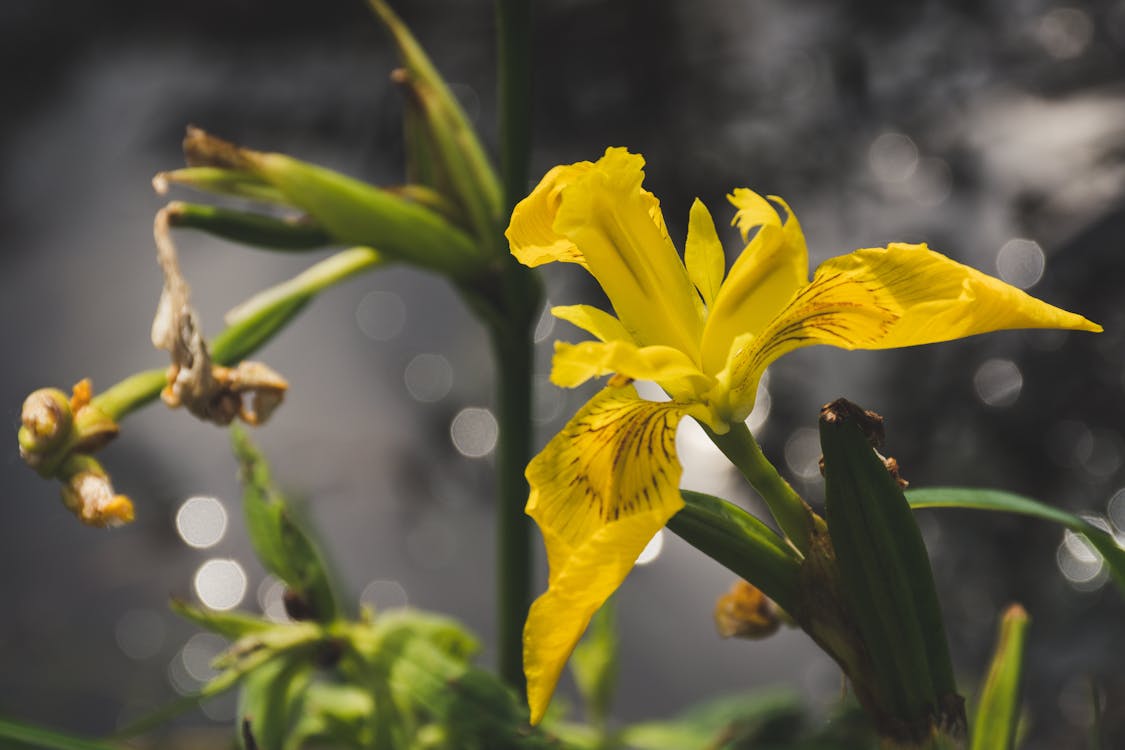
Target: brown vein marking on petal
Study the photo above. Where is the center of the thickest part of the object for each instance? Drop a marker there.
(833, 309)
(619, 457)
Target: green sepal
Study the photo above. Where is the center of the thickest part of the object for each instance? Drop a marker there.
(887, 583)
(1006, 502)
(594, 664)
(998, 708)
(741, 543)
(282, 546)
(442, 144)
(291, 234)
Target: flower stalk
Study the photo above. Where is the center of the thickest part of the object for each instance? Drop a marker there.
(796, 519)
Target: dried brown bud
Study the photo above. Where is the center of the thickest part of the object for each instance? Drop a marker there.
(251, 391)
(88, 493)
(745, 612)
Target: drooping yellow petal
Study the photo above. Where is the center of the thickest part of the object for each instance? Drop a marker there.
(703, 255)
(606, 214)
(592, 320)
(574, 364)
(599, 491)
(558, 618)
(531, 233)
(940, 299)
(769, 270)
(883, 298)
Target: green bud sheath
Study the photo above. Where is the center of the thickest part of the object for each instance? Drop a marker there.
(887, 582)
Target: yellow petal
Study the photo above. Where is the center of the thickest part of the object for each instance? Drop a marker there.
(574, 364)
(558, 618)
(592, 320)
(883, 298)
(703, 254)
(531, 234)
(773, 266)
(599, 491)
(607, 215)
(939, 299)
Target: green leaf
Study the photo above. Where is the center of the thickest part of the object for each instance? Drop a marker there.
(886, 578)
(740, 542)
(1006, 502)
(997, 716)
(594, 664)
(271, 701)
(230, 625)
(27, 735)
(282, 546)
(769, 716)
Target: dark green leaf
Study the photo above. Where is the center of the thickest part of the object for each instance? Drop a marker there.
(741, 543)
(886, 577)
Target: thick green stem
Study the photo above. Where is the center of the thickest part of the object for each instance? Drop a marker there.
(513, 28)
(514, 358)
(792, 513)
(513, 344)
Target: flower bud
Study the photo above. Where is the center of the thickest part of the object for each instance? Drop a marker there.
(88, 493)
(47, 421)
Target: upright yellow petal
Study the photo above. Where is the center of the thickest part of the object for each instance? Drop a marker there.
(607, 215)
(604, 326)
(574, 364)
(769, 270)
(600, 490)
(939, 299)
(703, 255)
(531, 233)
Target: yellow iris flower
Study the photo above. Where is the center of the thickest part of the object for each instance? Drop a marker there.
(605, 485)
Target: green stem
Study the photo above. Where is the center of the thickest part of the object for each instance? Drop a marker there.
(254, 323)
(514, 353)
(513, 345)
(513, 28)
(792, 513)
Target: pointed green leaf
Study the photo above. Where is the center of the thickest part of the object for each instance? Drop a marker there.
(230, 625)
(28, 735)
(283, 547)
(998, 710)
(1006, 502)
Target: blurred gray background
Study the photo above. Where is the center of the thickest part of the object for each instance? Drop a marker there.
(995, 131)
